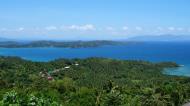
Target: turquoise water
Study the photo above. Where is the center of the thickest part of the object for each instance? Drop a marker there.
(181, 71)
(150, 51)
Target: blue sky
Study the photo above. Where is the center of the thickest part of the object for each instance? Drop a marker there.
(92, 19)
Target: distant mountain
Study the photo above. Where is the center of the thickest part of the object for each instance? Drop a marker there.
(161, 38)
(4, 39)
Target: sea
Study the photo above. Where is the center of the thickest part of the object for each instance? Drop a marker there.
(178, 52)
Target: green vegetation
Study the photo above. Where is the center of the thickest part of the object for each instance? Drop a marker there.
(90, 82)
(70, 44)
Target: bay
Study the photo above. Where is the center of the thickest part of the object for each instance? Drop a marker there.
(149, 51)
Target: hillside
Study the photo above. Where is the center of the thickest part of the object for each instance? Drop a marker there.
(90, 82)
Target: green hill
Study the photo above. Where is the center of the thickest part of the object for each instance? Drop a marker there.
(90, 82)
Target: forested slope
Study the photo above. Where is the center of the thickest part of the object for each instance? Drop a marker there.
(90, 82)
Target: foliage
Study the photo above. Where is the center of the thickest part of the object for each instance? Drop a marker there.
(90, 82)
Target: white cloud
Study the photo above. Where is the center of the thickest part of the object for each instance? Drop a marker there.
(50, 28)
(139, 28)
(171, 28)
(109, 28)
(125, 28)
(20, 29)
(160, 28)
(3, 29)
(180, 29)
(188, 29)
(87, 27)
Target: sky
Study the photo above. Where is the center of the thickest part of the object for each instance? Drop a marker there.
(93, 19)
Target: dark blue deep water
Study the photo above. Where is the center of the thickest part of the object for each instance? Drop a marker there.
(150, 51)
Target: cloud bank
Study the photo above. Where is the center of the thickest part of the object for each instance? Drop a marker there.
(89, 30)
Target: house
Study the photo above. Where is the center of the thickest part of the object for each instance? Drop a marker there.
(50, 78)
(67, 67)
(76, 64)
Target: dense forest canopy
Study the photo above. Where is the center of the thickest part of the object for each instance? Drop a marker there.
(90, 82)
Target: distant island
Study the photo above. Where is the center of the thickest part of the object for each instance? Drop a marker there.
(59, 44)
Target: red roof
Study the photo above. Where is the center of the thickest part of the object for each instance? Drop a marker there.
(50, 78)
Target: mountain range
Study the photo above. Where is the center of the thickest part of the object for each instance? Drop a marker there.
(160, 38)
(4, 39)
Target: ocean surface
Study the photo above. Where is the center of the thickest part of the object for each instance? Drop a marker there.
(149, 51)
